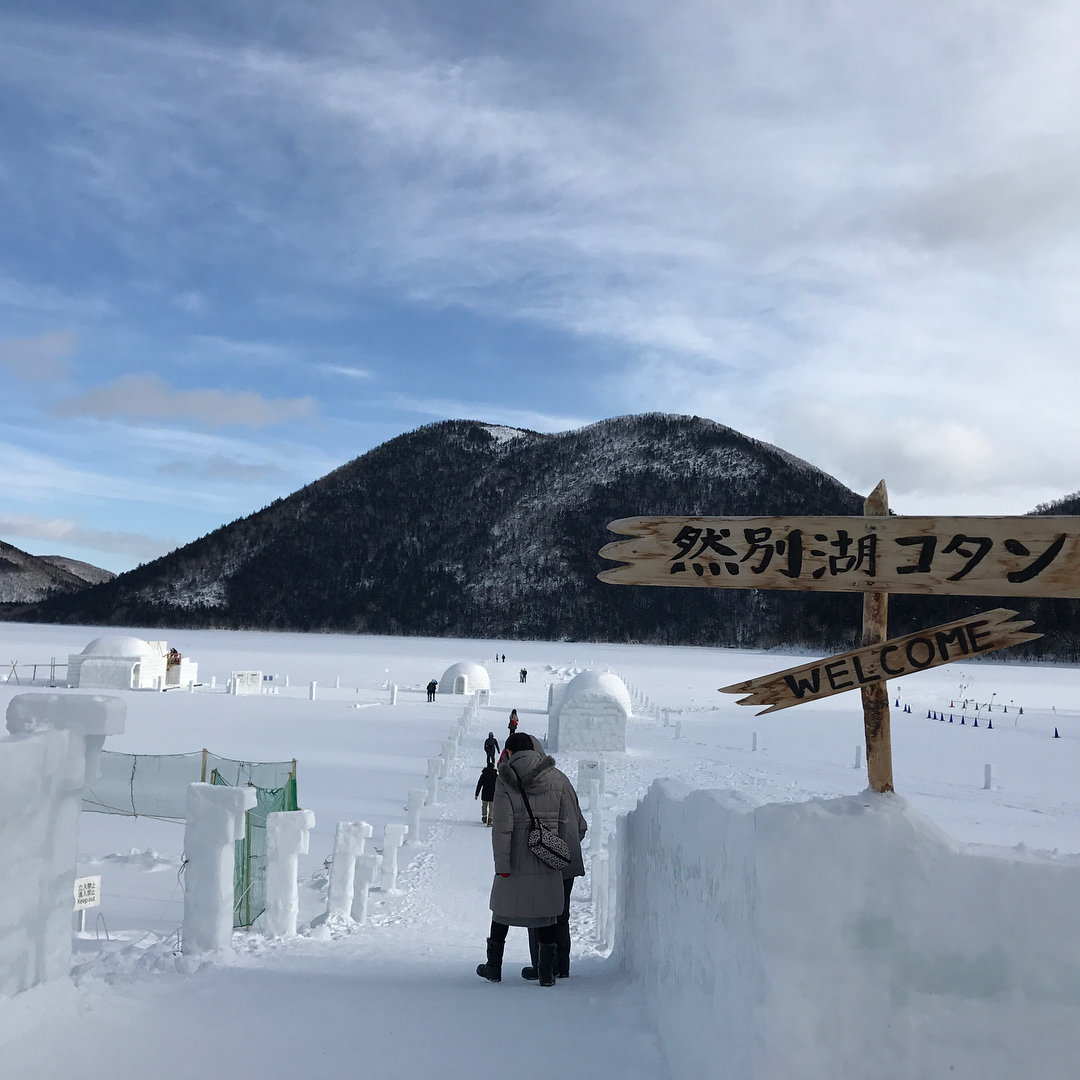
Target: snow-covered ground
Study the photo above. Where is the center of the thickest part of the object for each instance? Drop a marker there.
(399, 997)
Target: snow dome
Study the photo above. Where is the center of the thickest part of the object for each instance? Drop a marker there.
(118, 646)
(589, 713)
(118, 662)
(464, 678)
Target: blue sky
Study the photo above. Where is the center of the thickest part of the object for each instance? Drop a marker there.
(243, 243)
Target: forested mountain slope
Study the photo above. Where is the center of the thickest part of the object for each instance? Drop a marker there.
(472, 529)
(469, 529)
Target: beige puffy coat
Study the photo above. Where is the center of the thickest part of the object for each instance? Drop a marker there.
(533, 891)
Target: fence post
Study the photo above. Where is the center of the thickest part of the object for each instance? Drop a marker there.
(363, 879)
(596, 812)
(412, 815)
(393, 837)
(287, 835)
(433, 779)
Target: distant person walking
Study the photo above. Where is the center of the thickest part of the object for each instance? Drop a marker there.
(491, 747)
(432, 687)
(525, 891)
(523, 675)
(504, 658)
(513, 724)
(485, 790)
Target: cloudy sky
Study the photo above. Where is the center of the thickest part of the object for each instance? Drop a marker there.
(244, 241)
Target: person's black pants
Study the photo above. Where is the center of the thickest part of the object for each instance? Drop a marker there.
(562, 936)
(545, 935)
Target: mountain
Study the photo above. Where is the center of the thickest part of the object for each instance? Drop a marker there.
(27, 579)
(87, 572)
(472, 529)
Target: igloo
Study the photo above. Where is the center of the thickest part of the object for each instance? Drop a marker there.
(589, 713)
(119, 662)
(464, 678)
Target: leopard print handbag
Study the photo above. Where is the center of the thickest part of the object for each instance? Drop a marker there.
(549, 847)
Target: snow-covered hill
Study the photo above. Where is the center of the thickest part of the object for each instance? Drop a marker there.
(26, 578)
(476, 529)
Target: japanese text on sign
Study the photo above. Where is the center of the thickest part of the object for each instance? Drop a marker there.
(1008, 556)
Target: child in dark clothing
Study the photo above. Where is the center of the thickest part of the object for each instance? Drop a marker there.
(485, 788)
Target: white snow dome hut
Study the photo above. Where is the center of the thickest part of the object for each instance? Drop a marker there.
(128, 663)
(588, 713)
(464, 678)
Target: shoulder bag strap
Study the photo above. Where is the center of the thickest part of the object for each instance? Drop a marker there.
(525, 799)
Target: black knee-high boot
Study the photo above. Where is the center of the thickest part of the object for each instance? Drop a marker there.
(546, 962)
(492, 970)
(534, 945)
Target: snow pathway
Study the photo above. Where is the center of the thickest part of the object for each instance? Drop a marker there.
(398, 998)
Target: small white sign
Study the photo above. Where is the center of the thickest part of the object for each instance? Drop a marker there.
(88, 892)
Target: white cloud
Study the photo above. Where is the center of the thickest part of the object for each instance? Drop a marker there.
(220, 467)
(451, 409)
(852, 229)
(134, 398)
(65, 531)
(347, 372)
(38, 359)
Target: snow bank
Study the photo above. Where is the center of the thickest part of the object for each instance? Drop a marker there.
(53, 742)
(845, 938)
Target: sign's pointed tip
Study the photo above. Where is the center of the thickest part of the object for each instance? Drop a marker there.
(877, 502)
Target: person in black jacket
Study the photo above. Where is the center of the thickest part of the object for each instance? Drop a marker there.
(432, 687)
(485, 787)
(491, 748)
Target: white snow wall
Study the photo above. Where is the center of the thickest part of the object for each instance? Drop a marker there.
(845, 938)
(54, 742)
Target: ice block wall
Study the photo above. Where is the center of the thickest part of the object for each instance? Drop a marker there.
(845, 938)
(43, 766)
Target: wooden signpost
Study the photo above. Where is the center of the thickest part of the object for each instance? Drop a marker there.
(876, 555)
(1003, 556)
(880, 661)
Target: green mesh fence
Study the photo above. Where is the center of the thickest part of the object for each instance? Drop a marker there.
(249, 865)
(155, 786)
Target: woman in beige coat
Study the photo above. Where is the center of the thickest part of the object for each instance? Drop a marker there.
(525, 891)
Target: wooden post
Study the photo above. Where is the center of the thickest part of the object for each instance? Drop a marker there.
(202, 778)
(875, 696)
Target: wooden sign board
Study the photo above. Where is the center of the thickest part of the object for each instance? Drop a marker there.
(985, 556)
(890, 659)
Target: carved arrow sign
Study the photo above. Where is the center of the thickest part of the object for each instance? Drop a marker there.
(890, 659)
(992, 556)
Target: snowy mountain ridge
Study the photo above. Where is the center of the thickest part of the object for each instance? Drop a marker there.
(26, 578)
(463, 528)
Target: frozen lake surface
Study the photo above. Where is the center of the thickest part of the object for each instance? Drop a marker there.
(399, 997)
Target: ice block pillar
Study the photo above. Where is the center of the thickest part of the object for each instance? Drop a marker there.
(433, 779)
(412, 815)
(287, 833)
(349, 844)
(215, 821)
(393, 837)
(366, 866)
(596, 812)
(44, 765)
